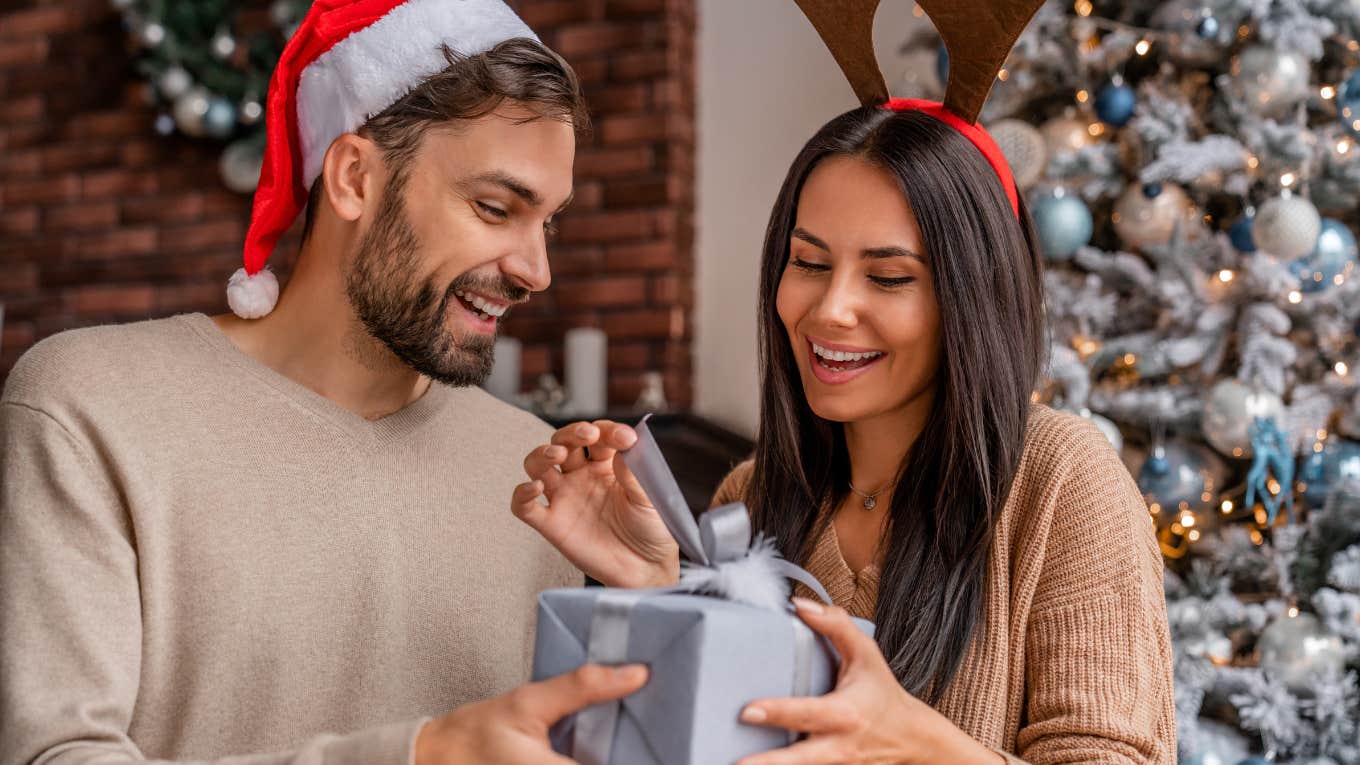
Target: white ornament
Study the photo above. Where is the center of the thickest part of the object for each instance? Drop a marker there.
(174, 81)
(1065, 134)
(1298, 648)
(1286, 227)
(251, 297)
(223, 45)
(240, 166)
(1023, 147)
(1142, 220)
(153, 34)
(1229, 412)
(1270, 81)
(190, 109)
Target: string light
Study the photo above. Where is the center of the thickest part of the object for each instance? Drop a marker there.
(1096, 128)
(1194, 535)
(1274, 486)
(1083, 96)
(1003, 75)
(1293, 611)
(917, 11)
(1227, 506)
(1328, 92)
(1295, 297)
(1341, 368)
(1187, 520)
(1338, 279)
(1287, 180)
(1130, 359)
(1256, 537)
(1225, 276)
(1084, 7)
(1143, 47)
(1353, 45)
(1237, 451)
(1343, 146)
(1253, 162)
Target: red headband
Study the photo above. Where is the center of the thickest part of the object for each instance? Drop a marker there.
(975, 135)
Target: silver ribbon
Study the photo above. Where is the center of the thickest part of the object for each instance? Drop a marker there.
(721, 535)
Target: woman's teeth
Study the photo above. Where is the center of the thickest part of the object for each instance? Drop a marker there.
(486, 309)
(844, 357)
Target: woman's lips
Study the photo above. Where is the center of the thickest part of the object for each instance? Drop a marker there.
(847, 370)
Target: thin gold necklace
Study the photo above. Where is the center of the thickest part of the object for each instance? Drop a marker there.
(870, 500)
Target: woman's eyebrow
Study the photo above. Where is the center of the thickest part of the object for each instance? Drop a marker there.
(806, 236)
(892, 252)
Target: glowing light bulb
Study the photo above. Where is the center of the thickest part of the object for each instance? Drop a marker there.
(1225, 276)
(1327, 92)
(1341, 368)
(1143, 47)
(1227, 506)
(1295, 297)
(1287, 179)
(1083, 96)
(1194, 535)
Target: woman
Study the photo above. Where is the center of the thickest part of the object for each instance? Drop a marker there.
(1001, 547)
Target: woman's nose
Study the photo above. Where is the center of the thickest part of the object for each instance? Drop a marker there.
(840, 304)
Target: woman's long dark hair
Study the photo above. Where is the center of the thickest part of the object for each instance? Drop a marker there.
(956, 476)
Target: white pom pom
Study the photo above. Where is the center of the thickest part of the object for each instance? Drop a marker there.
(751, 579)
(251, 297)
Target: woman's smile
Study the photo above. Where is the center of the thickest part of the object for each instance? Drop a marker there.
(834, 364)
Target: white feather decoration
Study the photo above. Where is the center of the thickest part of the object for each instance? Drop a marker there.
(752, 579)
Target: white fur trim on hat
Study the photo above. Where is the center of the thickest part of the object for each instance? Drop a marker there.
(377, 65)
(251, 297)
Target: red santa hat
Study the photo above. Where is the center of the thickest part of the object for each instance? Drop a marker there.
(347, 61)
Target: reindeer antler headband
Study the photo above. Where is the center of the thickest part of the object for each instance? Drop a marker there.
(978, 34)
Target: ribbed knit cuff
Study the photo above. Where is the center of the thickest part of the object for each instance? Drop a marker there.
(1010, 758)
(393, 744)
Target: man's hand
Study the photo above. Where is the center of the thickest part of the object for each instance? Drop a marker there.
(596, 513)
(513, 729)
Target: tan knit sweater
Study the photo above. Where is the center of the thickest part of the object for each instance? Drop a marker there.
(200, 558)
(1072, 662)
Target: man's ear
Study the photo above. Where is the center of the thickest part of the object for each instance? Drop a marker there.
(350, 175)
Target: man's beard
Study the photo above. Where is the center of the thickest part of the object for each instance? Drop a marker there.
(407, 315)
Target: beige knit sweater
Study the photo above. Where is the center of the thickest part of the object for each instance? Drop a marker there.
(200, 558)
(1072, 662)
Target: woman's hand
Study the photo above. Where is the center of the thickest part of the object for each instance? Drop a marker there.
(596, 513)
(868, 718)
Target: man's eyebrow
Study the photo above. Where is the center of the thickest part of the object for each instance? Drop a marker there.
(806, 236)
(510, 183)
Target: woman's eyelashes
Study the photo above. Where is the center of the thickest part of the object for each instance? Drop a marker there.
(886, 282)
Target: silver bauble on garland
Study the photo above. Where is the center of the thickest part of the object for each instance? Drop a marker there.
(1228, 414)
(1286, 226)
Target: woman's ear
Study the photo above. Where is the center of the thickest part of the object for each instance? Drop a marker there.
(349, 173)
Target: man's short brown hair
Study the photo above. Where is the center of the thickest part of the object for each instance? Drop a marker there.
(470, 87)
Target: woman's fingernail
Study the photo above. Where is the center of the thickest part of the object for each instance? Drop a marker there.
(810, 606)
(753, 715)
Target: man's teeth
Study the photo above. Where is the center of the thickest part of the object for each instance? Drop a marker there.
(831, 355)
(487, 308)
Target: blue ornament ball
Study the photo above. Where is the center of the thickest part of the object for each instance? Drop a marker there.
(1255, 761)
(1114, 104)
(1178, 477)
(1063, 223)
(1208, 28)
(1240, 235)
(1152, 190)
(220, 118)
(1348, 103)
(1321, 472)
(1334, 255)
(942, 64)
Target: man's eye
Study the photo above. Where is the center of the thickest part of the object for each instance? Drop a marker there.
(494, 212)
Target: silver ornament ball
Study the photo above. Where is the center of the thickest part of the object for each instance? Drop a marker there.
(223, 45)
(240, 166)
(220, 119)
(152, 34)
(1065, 134)
(1287, 227)
(1298, 648)
(251, 112)
(190, 109)
(1143, 219)
(1270, 81)
(1024, 148)
(174, 82)
(1229, 412)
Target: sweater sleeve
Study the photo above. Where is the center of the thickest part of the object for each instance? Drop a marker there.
(733, 486)
(70, 613)
(1098, 671)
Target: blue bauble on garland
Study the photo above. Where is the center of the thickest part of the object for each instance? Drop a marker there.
(220, 119)
(1207, 28)
(1334, 255)
(942, 64)
(1178, 477)
(1063, 223)
(1240, 235)
(1255, 761)
(1321, 472)
(1348, 103)
(1115, 103)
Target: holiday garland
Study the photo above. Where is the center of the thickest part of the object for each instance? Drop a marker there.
(209, 75)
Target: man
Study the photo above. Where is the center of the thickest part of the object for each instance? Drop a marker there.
(281, 536)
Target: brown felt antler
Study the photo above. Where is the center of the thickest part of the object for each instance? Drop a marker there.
(978, 34)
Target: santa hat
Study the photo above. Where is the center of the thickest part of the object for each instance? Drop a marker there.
(347, 61)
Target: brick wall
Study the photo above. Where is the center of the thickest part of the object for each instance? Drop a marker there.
(101, 220)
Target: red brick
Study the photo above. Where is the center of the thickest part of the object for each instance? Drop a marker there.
(601, 292)
(638, 65)
(21, 164)
(651, 256)
(591, 70)
(20, 277)
(185, 298)
(671, 289)
(624, 8)
(21, 136)
(25, 109)
(634, 97)
(117, 183)
(652, 192)
(39, 21)
(601, 37)
(28, 52)
(118, 242)
(649, 322)
(566, 261)
(535, 360)
(16, 335)
(78, 156)
(607, 226)
(114, 300)
(222, 233)
(633, 356)
(115, 124)
(81, 216)
(42, 191)
(164, 209)
(19, 221)
(140, 153)
(615, 161)
(632, 128)
(544, 15)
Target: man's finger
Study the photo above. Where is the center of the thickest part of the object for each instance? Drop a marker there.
(613, 437)
(576, 437)
(548, 701)
(629, 482)
(525, 505)
(804, 714)
(836, 625)
(813, 751)
(542, 463)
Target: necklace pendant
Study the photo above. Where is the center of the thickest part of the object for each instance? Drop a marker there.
(870, 503)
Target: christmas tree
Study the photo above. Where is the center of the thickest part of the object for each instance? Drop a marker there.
(1192, 173)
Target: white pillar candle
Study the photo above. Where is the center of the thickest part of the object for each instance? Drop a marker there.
(503, 383)
(586, 385)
